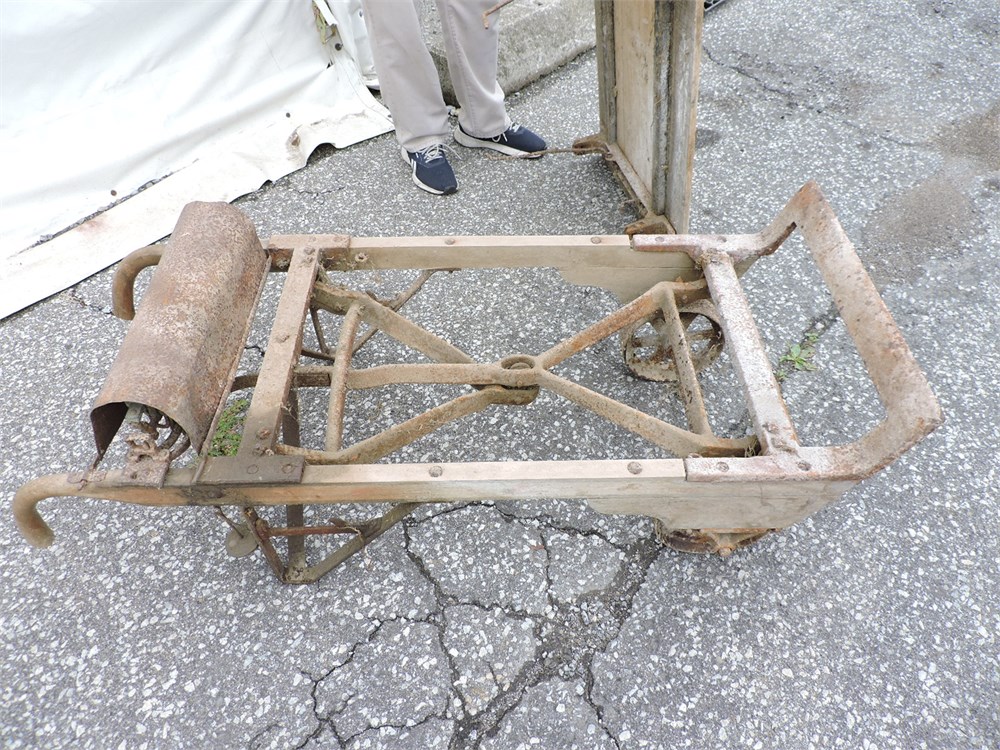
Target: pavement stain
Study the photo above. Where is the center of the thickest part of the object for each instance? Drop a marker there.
(936, 216)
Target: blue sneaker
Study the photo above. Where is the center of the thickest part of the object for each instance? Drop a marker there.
(514, 141)
(431, 170)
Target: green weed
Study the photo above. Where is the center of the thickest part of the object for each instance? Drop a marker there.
(798, 357)
(226, 440)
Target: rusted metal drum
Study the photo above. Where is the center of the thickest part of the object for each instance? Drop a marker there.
(183, 347)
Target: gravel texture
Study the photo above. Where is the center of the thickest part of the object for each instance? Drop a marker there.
(872, 624)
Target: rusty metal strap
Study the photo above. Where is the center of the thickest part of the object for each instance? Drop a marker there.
(271, 392)
(760, 388)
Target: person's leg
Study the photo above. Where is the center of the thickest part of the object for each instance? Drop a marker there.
(409, 81)
(472, 64)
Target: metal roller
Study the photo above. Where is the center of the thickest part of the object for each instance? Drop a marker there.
(182, 348)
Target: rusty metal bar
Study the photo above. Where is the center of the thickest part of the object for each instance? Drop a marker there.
(358, 542)
(339, 300)
(338, 378)
(318, 330)
(294, 514)
(374, 448)
(912, 410)
(687, 377)
(763, 396)
(440, 374)
(678, 441)
(258, 528)
(632, 312)
(275, 378)
(123, 283)
(396, 304)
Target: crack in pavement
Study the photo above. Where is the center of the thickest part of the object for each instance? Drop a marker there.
(442, 716)
(548, 522)
(255, 741)
(104, 310)
(793, 99)
(566, 645)
(567, 637)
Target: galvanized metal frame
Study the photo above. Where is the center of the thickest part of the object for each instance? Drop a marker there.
(728, 490)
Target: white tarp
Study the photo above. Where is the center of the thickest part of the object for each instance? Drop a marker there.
(100, 97)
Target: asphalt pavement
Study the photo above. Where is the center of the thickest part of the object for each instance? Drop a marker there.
(872, 624)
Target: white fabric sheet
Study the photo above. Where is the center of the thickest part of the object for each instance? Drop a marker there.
(100, 98)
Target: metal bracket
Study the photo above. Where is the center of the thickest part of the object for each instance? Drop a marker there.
(259, 470)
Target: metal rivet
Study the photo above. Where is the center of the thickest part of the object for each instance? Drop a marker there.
(436, 471)
(804, 465)
(634, 467)
(450, 241)
(283, 338)
(659, 239)
(252, 469)
(287, 468)
(722, 466)
(596, 240)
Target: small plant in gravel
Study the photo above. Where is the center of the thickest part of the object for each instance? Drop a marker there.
(798, 357)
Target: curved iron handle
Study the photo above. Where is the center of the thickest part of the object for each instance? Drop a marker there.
(26, 516)
(912, 410)
(112, 486)
(123, 284)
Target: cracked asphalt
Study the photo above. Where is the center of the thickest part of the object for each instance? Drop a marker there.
(872, 624)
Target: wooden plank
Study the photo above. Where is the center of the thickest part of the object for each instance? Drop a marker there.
(682, 108)
(626, 284)
(604, 22)
(664, 32)
(635, 84)
(655, 487)
(445, 253)
(760, 505)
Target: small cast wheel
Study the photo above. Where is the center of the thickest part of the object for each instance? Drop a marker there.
(648, 354)
(707, 541)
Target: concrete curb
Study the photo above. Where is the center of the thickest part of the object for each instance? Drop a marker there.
(536, 37)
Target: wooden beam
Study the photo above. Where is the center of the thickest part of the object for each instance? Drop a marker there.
(683, 80)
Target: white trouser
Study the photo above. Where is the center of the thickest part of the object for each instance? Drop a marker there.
(409, 81)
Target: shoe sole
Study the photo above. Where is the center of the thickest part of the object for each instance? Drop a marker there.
(413, 175)
(469, 141)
